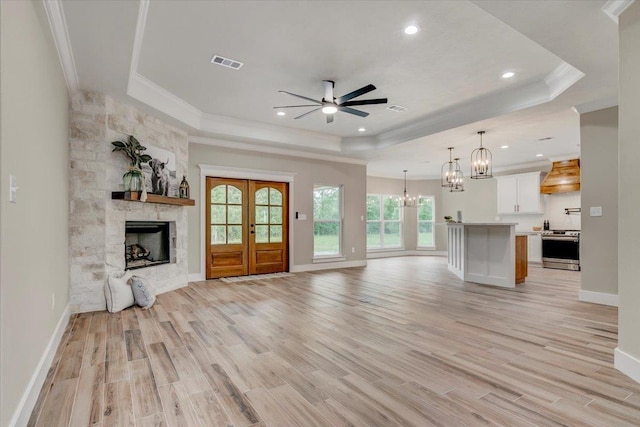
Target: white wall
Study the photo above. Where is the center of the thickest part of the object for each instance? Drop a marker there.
(599, 176)
(34, 147)
(307, 173)
(628, 352)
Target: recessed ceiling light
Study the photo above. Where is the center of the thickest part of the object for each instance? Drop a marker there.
(361, 129)
(504, 146)
(281, 113)
(539, 155)
(411, 29)
(508, 75)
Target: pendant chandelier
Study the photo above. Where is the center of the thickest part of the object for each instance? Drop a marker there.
(481, 161)
(451, 175)
(406, 201)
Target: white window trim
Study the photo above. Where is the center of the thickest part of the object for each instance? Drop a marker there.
(382, 221)
(433, 227)
(340, 255)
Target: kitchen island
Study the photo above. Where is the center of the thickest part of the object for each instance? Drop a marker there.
(486, 253)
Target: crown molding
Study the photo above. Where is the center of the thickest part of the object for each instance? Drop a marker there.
(58, 25)
(598, 104)
(484, 107)
(146, 91)
(244, 146)
(562, 78)
(613, 8)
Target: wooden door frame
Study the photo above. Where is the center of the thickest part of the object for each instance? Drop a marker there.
(216, 171)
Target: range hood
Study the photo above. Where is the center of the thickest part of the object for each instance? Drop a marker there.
(564, 177)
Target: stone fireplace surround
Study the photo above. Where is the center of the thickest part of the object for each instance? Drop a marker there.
(96, 222)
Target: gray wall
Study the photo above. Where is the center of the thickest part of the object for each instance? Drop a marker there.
(308, 172)
(34, 148)
(377, 185)
(628, 228)
(599, 187)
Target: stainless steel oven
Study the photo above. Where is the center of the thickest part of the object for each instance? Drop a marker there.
(561, 249)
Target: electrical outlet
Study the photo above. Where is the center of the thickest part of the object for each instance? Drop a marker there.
(353, 250)
(53, 301)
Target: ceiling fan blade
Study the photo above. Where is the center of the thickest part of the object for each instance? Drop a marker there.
(329, 118)
(365, 102)
(328, 90)
(295, 106)
(300, 96)
(355, 93)
(352, 111)
(308, 112)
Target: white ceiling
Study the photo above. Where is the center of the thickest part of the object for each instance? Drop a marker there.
(156, 54)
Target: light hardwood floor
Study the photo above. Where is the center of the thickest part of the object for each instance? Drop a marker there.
(400, 342)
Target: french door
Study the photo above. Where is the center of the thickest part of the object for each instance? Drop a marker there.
(247, 227)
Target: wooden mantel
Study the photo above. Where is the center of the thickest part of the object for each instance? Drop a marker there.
(151, 198)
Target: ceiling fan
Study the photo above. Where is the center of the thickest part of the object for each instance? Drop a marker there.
(330, 105)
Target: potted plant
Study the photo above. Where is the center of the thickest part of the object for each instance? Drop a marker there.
(132, 179)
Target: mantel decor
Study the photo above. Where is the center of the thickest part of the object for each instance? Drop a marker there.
(132, 179)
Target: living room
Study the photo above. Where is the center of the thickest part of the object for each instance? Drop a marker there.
(63, 105)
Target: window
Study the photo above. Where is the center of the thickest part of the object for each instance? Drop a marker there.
(425, 223)
(327, 220)
(384, 222)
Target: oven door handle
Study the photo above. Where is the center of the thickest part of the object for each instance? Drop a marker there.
(562, 239)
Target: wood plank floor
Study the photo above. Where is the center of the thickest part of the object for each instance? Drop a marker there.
(400, 342)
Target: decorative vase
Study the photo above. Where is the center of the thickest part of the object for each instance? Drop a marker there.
(132, 179)
(184, 188)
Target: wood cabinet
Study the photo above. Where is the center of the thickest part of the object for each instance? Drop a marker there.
(522, 265)
(519, 194)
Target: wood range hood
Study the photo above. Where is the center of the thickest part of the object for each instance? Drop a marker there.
(564, 177)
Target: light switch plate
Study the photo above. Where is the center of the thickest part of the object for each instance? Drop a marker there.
(595, 211)
(13, 189)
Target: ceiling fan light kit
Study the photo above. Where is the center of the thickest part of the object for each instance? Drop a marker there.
(330, 105)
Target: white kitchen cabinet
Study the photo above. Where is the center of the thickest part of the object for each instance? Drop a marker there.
(534, 248)
(519, 194)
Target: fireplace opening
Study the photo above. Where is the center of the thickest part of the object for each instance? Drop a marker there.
(147, 243)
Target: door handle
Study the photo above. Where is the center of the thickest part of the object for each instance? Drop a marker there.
(252, 232)
(252, 225)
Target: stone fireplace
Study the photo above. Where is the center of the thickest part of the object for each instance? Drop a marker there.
(96, 222)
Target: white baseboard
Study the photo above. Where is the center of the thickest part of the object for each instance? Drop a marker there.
(389, 254)
(196, 277)
(327, 266)
(30, 397)
(627, 364)
(598, 298)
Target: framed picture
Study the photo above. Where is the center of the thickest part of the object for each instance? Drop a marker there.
(160, 172)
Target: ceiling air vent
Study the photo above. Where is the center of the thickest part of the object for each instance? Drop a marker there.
(226, 62)
(397, 108)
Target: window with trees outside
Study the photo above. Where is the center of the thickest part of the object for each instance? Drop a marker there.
(384, 222)
(425, 223)
(327, 220)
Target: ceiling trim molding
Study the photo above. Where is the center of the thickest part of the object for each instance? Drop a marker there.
(141, 24)
(562, 78)
(257, 131)
(598, 104)
(58, 25)
(146, 91)
(613, 8)
(244, 146)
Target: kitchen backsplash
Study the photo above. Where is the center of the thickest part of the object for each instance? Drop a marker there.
(554, 205)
